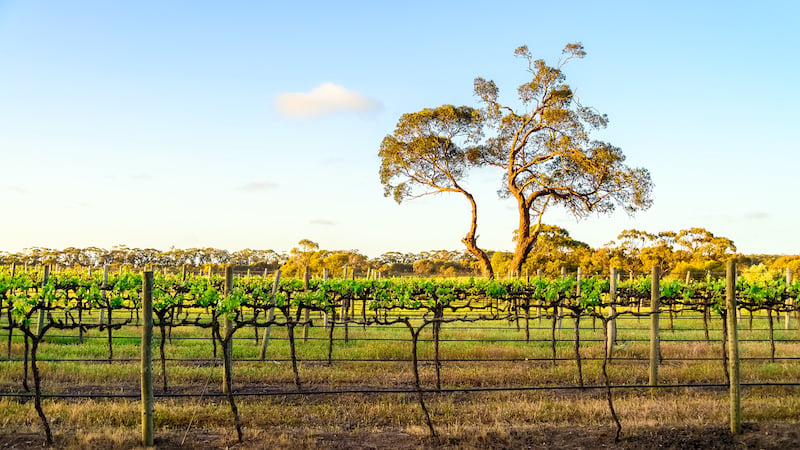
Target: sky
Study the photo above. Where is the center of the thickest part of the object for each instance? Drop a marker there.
(255, 124)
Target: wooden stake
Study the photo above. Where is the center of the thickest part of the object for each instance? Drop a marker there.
(147, 360)
(227, 332)
(306, 312)
(655, 347)
(612, 311)
(560, 307)
(733, 351)
(270, 316)
(43, 305)
(788, 322)
(325, 275)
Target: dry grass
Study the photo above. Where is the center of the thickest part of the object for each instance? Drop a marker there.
(462, 419)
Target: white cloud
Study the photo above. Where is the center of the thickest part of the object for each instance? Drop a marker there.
(756, 216)
(258, 186)
(326, 98)
(16, 189)
(323, 222)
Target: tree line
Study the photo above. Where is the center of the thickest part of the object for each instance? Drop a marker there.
(695, 251)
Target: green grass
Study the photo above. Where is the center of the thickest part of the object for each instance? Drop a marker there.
(520, 364)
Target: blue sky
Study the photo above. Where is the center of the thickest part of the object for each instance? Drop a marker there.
(158, 124)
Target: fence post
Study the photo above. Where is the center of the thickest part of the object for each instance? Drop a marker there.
(612, 311)
(103, 292)
(43, 304)
(733, 351)
(788, 322)
(147, 360)
(270, 316)
(226, 332)
(560, 307)
(325, 275)
(655, 347)
(306, 313)
(539, 303)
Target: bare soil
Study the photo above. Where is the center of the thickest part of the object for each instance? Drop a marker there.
(754, 436)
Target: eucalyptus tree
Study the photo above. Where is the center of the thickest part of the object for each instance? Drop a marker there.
(547, 156)
(428, 154)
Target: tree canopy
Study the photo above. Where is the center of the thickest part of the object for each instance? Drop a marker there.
(547, 156)
(428, 154)
(543, 150)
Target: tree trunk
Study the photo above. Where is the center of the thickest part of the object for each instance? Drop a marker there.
(525, 240)
(471, 241)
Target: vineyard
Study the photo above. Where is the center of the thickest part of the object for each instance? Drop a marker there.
(263, 356)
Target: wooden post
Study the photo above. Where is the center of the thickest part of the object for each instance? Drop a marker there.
(788, 321)
(179, 309)
(655, 347)
(270, 316)
(733, 351)
(42, 304)
(147, 360)
(306, 313)
(539, 303)
(344, 275)
(227, 331)
(579, 275)
(612, 311)
(104, 292)
(325, 275)
(561, 308)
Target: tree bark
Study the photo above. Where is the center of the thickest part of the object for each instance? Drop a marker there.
(525, 240)
(471, 241)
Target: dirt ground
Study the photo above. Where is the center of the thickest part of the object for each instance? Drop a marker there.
(754, 436)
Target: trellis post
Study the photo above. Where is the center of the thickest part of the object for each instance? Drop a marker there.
(733, 351)
(147, 360)
(655, 306)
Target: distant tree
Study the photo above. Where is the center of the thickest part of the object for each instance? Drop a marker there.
(302, 256)
(555, 249)
(702, 245)
(335, 262)
(501, 261)
(424, 267)
(546, 155)
(428, 154)
(790, 261)
(597, 261)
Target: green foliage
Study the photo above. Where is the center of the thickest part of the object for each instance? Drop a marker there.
(760, 274)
